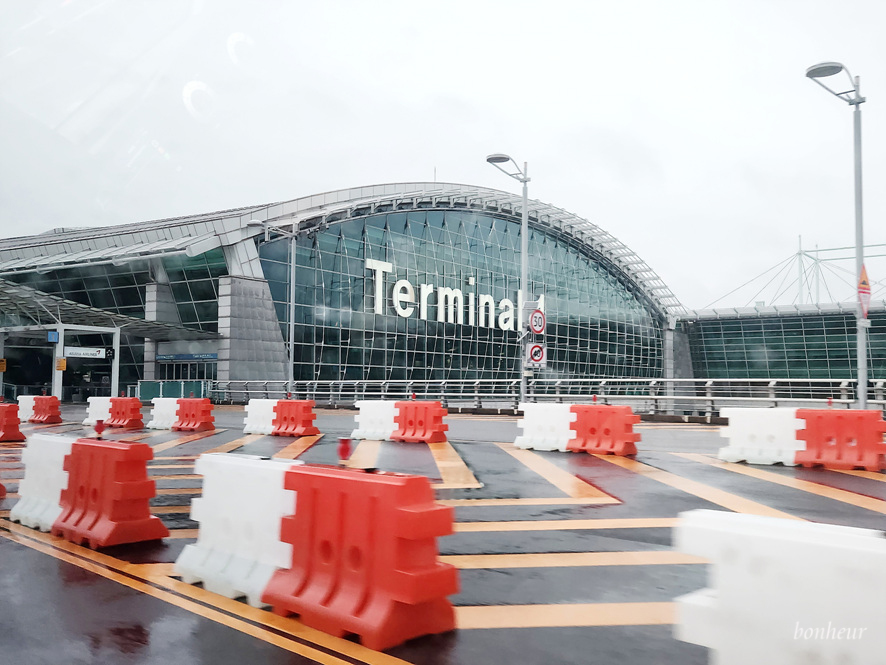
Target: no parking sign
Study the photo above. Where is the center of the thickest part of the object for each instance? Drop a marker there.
(536, 355)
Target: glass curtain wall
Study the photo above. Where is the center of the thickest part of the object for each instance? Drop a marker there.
(784, 347)
(596, 327)
(120, 289)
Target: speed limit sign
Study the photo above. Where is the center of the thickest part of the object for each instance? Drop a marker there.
(536, 355)
(537, 322)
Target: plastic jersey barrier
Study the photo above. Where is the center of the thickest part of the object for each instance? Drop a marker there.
(783, 591)
(46, 410)
(761, 436)
(545, 426)
(842, 439)
(45, 478)
(194, 415)
(420, 421)
(98, 408)
(238, 546)
(365, 556)
(294, 417)
(163, 410)
(259, 416)
(604, 429)
(375, 421)
(126, 412)
(26, 407)
(9, 424)
(107, 498)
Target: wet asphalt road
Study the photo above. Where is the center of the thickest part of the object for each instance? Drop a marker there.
(63, 604)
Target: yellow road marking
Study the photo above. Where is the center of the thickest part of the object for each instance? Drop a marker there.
(454, 473)
(181, 440)
(171, 466)
(194, 607)
(365, 455)
(236, 443)
(579, 614)
(181, 476)
(177, 534)
(571, 559)
(180, 457)
(177, 490)
(106, 566)
(170, 510)
(844, 496)
(870, 475)
(297, 447)
(561, 501)
(136, 437)
(564, 481)
(714, 495)
(565, 525)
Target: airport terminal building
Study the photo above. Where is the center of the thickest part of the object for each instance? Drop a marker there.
(408, 281)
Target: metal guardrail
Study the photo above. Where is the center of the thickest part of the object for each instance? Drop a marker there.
(670, 396)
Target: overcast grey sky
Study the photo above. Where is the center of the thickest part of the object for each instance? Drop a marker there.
(687, 129)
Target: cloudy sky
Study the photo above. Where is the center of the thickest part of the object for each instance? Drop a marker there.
(687, 129)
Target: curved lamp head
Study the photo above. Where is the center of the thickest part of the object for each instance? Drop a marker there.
(498, 158)
(826, 69)
(823, 69)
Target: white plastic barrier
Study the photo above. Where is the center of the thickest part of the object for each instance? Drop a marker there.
(99, 408)
(259, 416)
(761, 436)
(163, 413)
(45, 478)
(376, 420)
(784, 591)
(545, 426)
(238, 546)
(25, 407)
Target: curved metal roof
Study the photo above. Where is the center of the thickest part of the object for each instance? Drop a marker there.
(118, 243)
(310, 212)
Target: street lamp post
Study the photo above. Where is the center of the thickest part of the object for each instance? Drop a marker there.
(521, 175)
(853, 98)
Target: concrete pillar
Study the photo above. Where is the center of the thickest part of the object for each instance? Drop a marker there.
(251, 347)
(159, 306)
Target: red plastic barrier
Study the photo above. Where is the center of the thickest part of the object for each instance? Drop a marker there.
(420, 422)
(2, 490)
(838, 439)
(294, 417)
(604, 429)
(194, 415)
(106, 500)
(9, 423)
(126, 412)
(364, 556)
(46, 411)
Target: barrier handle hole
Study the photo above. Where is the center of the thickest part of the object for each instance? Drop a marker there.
(355, 558)
(326, 551)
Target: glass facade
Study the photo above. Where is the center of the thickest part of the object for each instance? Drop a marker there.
(784, 347)
(120, 289)
(469, 262)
